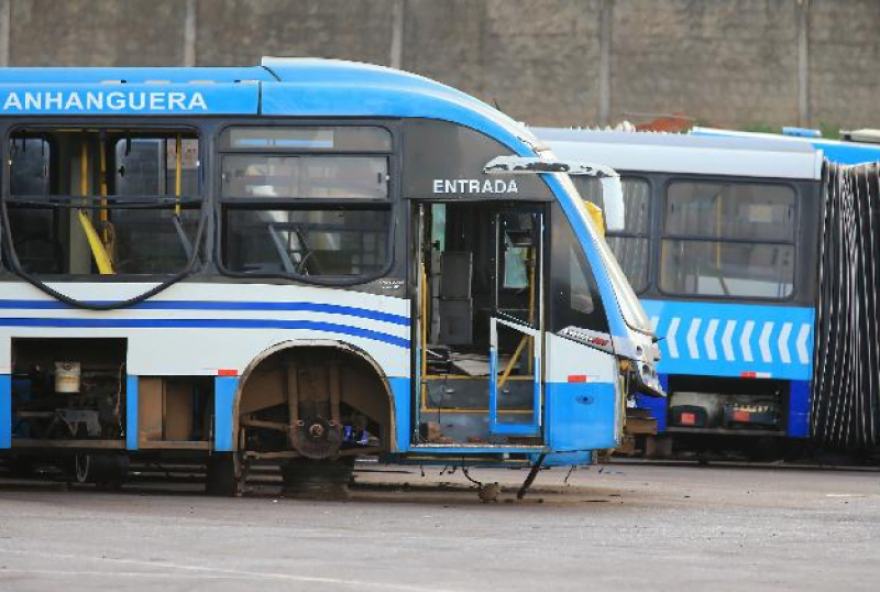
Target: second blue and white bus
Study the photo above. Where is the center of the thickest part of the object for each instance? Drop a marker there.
(721, 242)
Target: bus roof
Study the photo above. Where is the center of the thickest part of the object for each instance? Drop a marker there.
(681, 153)
(834, 150)
(277, 87)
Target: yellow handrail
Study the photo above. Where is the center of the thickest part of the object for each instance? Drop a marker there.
(105, 266)
(104, 214)
(99, 253)
(423, 328)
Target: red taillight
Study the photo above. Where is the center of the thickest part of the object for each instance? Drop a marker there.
(742, 416)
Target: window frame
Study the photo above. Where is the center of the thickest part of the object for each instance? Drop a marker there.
(391, 202)
(200, 201)
(643, 235)
(555, 215)
(793, 242)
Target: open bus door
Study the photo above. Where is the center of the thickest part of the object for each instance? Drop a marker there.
(519, 243)
(480, 324)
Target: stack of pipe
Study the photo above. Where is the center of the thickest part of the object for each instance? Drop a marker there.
(845, 410)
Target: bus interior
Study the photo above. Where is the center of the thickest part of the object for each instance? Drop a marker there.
(481, 270)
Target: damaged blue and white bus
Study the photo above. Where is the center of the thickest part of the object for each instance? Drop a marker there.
(302, 262)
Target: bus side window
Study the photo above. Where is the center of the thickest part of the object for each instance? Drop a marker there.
(307, 214)
(78, 217)
(729, 239)
(154, 241)
(148, 166)
(36, 245)
(30, 166)
(630, 245)
(575, 298)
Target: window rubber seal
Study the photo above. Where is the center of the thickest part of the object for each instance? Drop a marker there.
(188, 270)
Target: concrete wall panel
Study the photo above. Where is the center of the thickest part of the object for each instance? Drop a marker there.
(96, 32)
(845, 63)
(239, 32)
(537, 59)
(722, 61)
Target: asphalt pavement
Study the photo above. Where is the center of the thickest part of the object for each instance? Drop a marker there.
(616, 527)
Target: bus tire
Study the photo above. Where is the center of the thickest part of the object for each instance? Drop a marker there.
(224, 475)
(105, 470)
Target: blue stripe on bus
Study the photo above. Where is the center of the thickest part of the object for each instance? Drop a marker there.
(205, 324)
(351, 311)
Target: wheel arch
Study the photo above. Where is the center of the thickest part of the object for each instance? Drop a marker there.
(342, 346)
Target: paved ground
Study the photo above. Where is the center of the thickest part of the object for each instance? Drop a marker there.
(628, 527)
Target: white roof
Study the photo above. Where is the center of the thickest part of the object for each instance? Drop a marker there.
(681, 153)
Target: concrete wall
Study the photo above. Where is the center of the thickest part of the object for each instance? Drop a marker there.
(719, 60)
(536, 59)
(845, 62)
(550, 62)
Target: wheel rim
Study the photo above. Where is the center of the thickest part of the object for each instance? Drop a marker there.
(82, 468)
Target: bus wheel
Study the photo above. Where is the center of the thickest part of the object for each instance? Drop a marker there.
(311, 479)
(105, 470)
(225, 476)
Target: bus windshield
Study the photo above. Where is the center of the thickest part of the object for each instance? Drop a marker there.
(630, 307)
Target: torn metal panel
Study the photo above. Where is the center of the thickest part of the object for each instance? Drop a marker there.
(530, 165)
(612, 190)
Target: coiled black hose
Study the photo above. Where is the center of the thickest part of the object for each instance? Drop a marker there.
(845, 408)
(190, 268)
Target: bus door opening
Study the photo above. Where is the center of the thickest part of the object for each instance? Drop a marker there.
(480, 324)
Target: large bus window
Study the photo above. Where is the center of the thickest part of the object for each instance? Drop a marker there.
(575, 299)
(108, 202)
(301, 214)
(337, 242)
(728, 239)
(630, 245)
